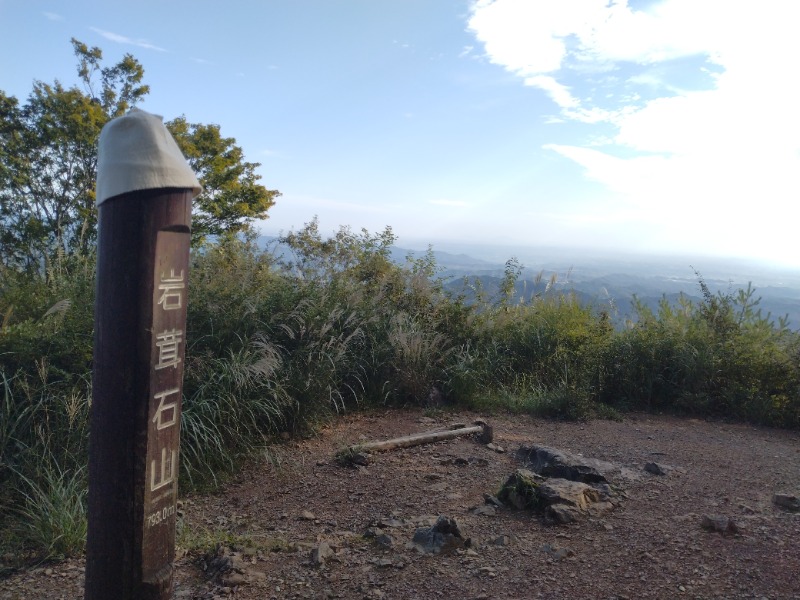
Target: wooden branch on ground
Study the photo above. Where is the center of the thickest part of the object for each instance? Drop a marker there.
(484, 429)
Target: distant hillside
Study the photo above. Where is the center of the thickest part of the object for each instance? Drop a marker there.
(609, 282)
(445, 260)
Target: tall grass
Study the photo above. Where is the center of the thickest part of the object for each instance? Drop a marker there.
(231, 404)
(43, 454)
(52, 515)
(279, 342)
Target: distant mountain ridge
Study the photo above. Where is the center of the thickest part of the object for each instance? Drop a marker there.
(610, 282)
(614, 290)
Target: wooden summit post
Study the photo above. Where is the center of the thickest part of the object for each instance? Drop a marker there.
(144, 196)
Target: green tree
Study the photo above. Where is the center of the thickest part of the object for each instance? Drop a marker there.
(48, 164)
(232, 197)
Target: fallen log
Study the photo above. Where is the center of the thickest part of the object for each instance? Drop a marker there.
(484, 429)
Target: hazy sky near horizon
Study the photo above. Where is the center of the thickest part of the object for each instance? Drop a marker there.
(646, 126)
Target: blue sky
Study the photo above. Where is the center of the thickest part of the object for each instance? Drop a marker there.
(640, 126)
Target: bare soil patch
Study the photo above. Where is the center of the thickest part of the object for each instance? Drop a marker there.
(294, 527)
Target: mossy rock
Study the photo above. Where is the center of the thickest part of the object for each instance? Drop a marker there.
(521, 490)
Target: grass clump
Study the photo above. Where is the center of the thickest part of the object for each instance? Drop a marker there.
(201, 540)
(52, 518)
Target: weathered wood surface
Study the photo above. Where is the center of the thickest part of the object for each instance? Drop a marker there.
(428, 437)
(140, 315)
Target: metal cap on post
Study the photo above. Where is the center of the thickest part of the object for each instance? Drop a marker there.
(144, 197)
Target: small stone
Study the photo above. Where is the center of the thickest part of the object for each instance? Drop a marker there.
(786, 501)
(360, 459)
(385, 540)
(556, 552)
(493, 500)
(502, 540)
(444, 536)
(719, 524)
(484, 510)
(237, 562)
(233, 579)
(321, 553)
(655, 469)
(307, 516)
(372, 532)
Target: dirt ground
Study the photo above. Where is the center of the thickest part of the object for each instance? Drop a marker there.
(294, 526)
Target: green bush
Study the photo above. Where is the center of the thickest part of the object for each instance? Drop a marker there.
(46, 323)
(720, 358)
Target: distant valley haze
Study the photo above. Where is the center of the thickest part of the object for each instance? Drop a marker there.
(609, 280)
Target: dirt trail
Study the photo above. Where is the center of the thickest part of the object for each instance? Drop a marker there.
(294, 527)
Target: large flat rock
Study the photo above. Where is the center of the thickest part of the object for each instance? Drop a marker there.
(550, 462)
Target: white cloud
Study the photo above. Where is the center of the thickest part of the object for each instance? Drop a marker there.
(53, 16)
(559, 93)
(712, 163)
(517, 37)
(121, 39)
(466, 51)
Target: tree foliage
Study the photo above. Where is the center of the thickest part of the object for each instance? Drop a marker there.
(48, 164)
(231, 196)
